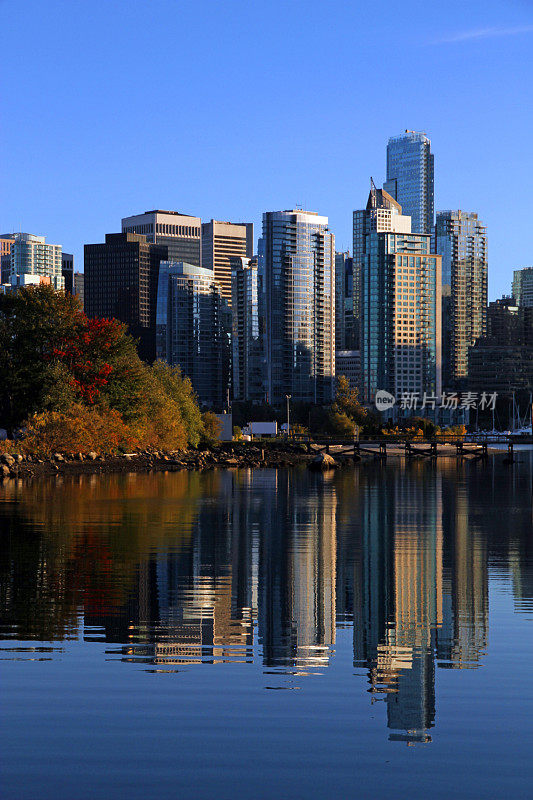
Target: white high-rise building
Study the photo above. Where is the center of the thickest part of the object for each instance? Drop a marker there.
(31, 256)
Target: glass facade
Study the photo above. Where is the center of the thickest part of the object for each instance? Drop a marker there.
(400, 308)
(246, 341)
(410, 178)
(344, 327)
(461, 238)
(523, 287)
(299, 270)
(193, 329)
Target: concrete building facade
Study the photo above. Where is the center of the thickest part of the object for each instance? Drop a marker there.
(222, 242)
(179, 233)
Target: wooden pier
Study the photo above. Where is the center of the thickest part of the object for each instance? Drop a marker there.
(409, 448)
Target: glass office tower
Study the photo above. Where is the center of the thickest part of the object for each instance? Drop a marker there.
(193, 329)
(523, 287)
(400, 289)
(246, 338)
(461, 238)
(410, 178)
(344, 324)
(299, 270)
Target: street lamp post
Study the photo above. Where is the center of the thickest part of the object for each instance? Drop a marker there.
(288, 396)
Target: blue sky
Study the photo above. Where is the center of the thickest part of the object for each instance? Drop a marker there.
(226, 110)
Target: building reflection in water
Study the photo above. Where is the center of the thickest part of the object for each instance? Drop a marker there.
(245, 566)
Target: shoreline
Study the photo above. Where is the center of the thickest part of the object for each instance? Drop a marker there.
(228, 455)
(23, 467)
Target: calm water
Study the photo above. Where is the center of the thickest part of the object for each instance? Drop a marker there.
(269, 634)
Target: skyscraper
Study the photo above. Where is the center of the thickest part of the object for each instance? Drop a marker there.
(502, 360)
(382, 213)
(121, 283)
(193, 328)
(523, 286)
(246, 340)
(67, 269)
(299, 269)
(79, 287)
(461, 238)
(221, 243)
(400, 301)
(344, 323)
(32, 259)
(410, 178)
(180, 233)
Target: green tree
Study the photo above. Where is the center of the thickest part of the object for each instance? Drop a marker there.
(33, 322)
(347, 401)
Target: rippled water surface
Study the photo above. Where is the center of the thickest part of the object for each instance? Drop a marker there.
(269, 634)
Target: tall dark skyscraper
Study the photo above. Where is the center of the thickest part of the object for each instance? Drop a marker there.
(410, 178)
(67, 269)
(121, 282)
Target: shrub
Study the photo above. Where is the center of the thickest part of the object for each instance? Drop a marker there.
(78, 430)
(212, 427)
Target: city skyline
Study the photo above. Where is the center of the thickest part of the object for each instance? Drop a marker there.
(75, 174)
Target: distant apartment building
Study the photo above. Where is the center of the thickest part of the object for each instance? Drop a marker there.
(67, 270)
(193, 329)
(400, 303)
(31, 259)
(5, 256)
(523, 286)
(344, 320)
(461, 238)
(410, 178)
(221, 243)
(179, 233)
(299, 273)
(120, 282)
(502, 360)
(246, 334)
(79, 287)
(348, 364)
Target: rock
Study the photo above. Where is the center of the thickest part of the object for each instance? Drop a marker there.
(92, 455)
(18, 458)
(7, 459)
(80, 456)
(323, 461)
(5, 472)
(58, 457)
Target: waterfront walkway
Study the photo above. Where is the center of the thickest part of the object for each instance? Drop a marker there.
(442, 446)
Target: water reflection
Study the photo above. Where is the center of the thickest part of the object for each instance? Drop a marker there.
(263, 568)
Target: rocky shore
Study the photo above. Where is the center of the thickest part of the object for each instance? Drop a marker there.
(230, 455)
